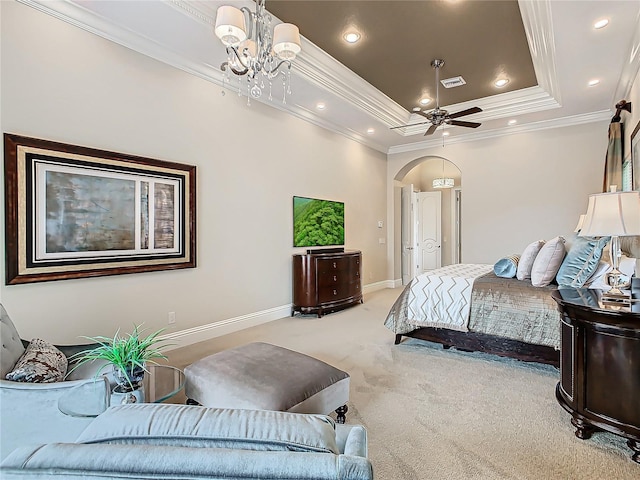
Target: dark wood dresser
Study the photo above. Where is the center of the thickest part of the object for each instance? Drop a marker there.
(326, 280)
(600, 365)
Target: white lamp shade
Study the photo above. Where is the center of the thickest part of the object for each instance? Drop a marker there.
(580, 223)
(612, 214)
(286, 41)
(230, 28)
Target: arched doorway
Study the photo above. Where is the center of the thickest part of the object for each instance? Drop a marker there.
(426, 238)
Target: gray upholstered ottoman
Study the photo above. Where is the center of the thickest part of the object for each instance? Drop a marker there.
(262, 376)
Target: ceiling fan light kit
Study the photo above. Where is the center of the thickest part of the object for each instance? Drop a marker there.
(439, 116)
(253, 52)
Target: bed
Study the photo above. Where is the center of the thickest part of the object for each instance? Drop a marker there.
(468, 307)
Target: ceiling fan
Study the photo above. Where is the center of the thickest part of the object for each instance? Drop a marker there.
(439, 116)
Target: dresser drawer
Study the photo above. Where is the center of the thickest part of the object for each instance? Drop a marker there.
(328, 294)
(331, 266)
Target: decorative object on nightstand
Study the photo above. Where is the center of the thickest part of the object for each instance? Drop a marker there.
(614, 214)
(127, 355)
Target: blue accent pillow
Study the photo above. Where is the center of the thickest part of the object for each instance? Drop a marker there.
(507, 267)
(581, 261)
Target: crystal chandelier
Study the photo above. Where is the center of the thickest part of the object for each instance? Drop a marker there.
(252, 52)
(443, 182)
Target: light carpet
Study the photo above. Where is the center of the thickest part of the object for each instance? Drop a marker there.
(441, 414)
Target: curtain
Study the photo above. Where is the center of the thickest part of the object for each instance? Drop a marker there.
(613, 160)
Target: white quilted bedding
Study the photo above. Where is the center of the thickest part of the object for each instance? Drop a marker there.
(441, 298)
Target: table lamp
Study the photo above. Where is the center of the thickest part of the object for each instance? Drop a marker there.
(614, 214)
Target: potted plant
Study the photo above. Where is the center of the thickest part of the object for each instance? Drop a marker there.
(127, 354)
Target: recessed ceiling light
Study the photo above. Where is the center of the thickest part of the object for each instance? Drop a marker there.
(425, 101)
(320, 106)
(601, 23)
(594, 82)
(416, 109)
(445, 134)
(352, 37)
(371, 131)
(512, 122)
(502, 82)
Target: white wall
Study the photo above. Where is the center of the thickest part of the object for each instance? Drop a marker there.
(519, 188)
(64, 84)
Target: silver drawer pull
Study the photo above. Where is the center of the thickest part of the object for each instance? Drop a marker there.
(335, 278)
(334, 265)
(335, 292)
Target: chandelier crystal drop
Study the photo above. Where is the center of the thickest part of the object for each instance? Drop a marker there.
(253, 52)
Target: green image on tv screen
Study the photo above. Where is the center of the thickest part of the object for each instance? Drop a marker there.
(317, 222)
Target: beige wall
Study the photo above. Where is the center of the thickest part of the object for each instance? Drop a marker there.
(518, 188)
(64, 84)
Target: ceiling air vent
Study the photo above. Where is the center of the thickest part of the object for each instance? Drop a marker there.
(453, 82)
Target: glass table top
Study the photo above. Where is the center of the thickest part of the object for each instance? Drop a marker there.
(161, 382)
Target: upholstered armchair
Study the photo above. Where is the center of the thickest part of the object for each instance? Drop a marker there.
(29, 412)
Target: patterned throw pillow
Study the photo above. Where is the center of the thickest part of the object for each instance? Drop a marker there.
(507, 267)
(41, 362)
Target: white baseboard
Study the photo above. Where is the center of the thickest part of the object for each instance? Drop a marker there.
(193, 335)
(225, 327)
(373, 287)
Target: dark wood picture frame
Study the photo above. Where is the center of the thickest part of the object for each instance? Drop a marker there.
(635, 157)
(77, 212)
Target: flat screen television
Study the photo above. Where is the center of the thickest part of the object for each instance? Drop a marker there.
(317, 223)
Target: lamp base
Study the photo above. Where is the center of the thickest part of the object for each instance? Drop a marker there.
(618, 281)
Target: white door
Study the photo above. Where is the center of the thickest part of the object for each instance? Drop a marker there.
(428, 234)
(407, 221)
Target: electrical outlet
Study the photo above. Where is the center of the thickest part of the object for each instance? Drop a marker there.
(172, 318)
(380, 223)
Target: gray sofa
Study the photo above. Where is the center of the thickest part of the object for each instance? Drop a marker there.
(164, 441)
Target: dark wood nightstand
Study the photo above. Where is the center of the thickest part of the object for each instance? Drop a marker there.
(600, 365)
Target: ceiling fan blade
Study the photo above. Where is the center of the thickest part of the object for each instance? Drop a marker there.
(464, 124)
(432, 129)
(468, 111)
(405, 126)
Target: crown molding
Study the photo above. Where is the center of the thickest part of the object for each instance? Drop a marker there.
(538, 27)
(600, 116)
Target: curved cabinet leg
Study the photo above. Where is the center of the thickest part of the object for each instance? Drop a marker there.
(583, 430)
(342, 413)
(635, 446)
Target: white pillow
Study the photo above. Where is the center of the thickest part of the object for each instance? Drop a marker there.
(527, 258)
(547, 262)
